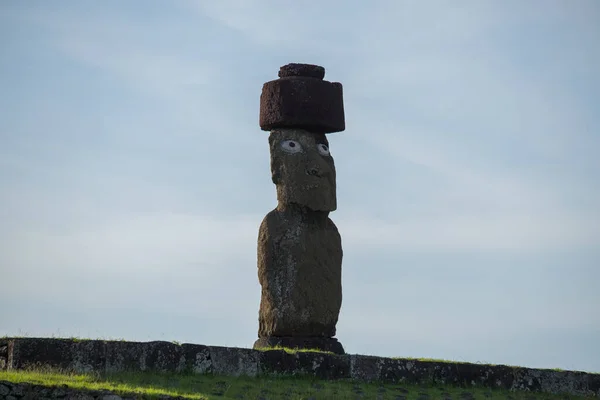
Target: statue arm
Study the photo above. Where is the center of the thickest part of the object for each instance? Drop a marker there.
(265, 249)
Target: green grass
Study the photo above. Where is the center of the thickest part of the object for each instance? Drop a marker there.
(153, 385)
(431, 360)
(292, 351)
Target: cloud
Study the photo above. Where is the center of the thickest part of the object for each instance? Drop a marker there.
(473, 232)
(301, 27)
(460, 93)
(161, 73)
(133, 257)
(130, 52)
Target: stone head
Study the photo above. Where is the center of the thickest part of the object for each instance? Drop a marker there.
(303, 169)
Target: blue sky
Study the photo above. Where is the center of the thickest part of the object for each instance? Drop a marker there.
(134, 176)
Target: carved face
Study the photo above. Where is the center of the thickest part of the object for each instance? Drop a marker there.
(303, 169)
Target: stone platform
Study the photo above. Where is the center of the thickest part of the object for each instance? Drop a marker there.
(114, 356)
(314, 343)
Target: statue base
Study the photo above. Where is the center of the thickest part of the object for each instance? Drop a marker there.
(301, 342)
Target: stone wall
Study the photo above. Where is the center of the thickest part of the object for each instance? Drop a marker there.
(115, 356)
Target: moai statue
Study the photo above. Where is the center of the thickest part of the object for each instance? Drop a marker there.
(299, 247)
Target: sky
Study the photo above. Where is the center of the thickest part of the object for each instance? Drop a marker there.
(134, 174)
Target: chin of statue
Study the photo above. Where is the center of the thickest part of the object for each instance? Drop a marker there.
(314, 200)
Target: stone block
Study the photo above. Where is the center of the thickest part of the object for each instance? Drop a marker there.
(4, 390)
(302, 70)
(277, 362)
(550, 381)
(320, 365)
(325, 344)
(325, 366)
(66, 354)
(301, 99)
(197, 358)
(365, 368)
(593, 384)
(157, 356)
(233, 361)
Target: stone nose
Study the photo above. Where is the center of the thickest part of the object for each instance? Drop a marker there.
(316, 165)
(313, 171)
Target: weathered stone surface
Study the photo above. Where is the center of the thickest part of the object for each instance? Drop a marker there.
(79, 396)
(462, 374)
(365, 368)
(300, 342)
(111, 397)
(592, 382)
(303, 169)
(301, 99)
(236, 362)
(395, 371)
(299, 247)
(323, 366)
(17, 390)
(69, 354)
(304, 70)
(554, 381)
(150, 356)
(469, 373)
(277, 362)
(197, 358)
(299, 269)
(233, 361)
(4, 390)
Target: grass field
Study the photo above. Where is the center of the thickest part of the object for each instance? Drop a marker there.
(152, 386)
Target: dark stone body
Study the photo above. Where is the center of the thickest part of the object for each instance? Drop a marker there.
(299, 247)
(300, 98)
(299, 269)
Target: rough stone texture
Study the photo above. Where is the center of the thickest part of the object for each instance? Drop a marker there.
(299, 247)
(305, 70)
(301, 173)
(94, 355)
(365, 368)
(321, 365)
(299, 342)
(4, 390)
(197, 358)
(156, 356)
(552, 382)
(233, 361)
(277, 362)
(299, 269)
(301, 99)
(324, 366)
(80, 356)
(3, 355)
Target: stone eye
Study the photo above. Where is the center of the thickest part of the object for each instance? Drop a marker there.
(323, 149)
(291, 146)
